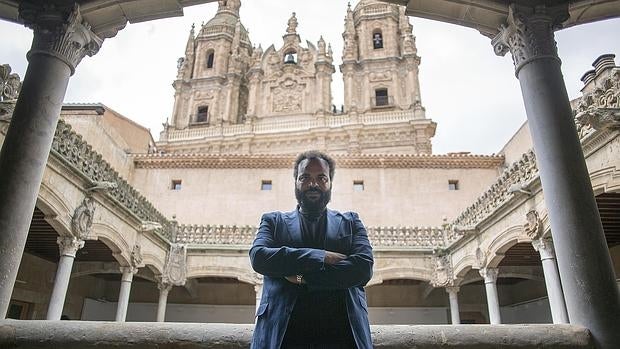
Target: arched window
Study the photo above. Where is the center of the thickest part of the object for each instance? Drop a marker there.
(381, 97)
(203, 114)
(290, 57)
(210, 59)
(377, 39)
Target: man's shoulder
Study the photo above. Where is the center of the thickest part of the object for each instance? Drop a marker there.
(277, 214)
(349, 215)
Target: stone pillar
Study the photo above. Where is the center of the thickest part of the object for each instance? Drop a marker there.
(490, 284)
(552, 280)
(454, 304)
(123, 296)
(164, 288)
(61, 40)
(68, 246)
(588, 280)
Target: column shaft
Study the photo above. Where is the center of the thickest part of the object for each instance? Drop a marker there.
(454, 304)
(490, 285)
(552, 281)
(61, 284)
(164, 289)
(587, 274)
(123, 296)
(23, 158)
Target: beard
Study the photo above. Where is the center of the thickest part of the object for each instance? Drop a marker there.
(313, 205)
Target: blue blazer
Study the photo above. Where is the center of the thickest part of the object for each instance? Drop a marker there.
(278, 251)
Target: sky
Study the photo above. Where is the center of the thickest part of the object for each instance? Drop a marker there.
(470, 92)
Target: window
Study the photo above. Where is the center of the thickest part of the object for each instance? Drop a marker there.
(210, 58)
(377, 39)
(290, 57)
(453, 184)
(265, 185)
(381, 97)
(203, 114)
(176, 184)
(358, 185)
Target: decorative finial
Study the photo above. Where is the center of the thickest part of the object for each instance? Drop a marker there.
(292, 25)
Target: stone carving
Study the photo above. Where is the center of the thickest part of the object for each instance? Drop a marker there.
(287, 97)
(489, 274)
(521, 171)
(545, 248)
(292, 25)
(442, 270)
(102, 186)
(528, 34)
(481, 258)
(533, 227)
(70, 149)
(380, 76)
(82, 219)
(69, 245)
(175, 269)
(60, 31)
(9, 84)
(600, 109)
(136, 256)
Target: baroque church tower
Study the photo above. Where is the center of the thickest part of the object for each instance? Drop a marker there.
(233, 98)
(380, 65)
(210, 88)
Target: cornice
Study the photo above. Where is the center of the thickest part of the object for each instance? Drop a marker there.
(456, 161)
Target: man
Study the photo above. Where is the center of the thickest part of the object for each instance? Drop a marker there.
(315, 262)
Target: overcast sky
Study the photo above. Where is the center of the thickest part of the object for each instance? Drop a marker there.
(472, 94)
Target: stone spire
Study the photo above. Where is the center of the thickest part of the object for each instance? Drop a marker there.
(189, 47)
(406, 30)
(349, 51)
(321, 46)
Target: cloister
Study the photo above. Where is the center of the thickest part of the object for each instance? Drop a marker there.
(557, 191)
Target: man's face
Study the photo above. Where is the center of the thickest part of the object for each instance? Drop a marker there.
(312, 185)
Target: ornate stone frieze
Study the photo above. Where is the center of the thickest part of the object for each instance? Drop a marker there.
(175, 269)
(82, 219)
(72, 150)
(69, 245)
(528, 34)
(521, 171)
(344, 161)
(59, 31)
(533, 225)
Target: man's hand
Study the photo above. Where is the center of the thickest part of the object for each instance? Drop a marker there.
(332, 258)
(293, 279)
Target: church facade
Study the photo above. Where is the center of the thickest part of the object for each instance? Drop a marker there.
(160, 229)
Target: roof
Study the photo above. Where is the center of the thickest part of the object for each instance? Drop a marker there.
(488, 16)
(107, 17)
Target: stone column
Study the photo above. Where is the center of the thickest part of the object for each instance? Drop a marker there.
(123, 296)
(61, 40)
(590, 289)
(68, 246)
(454, 304)
(164, 288)
(490, 284)
(552, 280)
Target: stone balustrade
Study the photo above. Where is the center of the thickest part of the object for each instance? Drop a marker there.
(426, 238)
(331, 121)
(135, 335)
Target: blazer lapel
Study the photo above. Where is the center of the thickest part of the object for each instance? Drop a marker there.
(333, 233)
(292, 225)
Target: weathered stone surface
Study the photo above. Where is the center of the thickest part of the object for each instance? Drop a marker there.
(84, 334)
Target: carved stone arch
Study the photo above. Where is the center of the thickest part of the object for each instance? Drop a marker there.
(58, 216)
(153, 262)
(380, 275)
(503, 242)
(605, 180)
(463, 266)
(121, 249)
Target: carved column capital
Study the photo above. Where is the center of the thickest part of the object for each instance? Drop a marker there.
(164, 287)
(528, 33)
(453, 289)
(128, 273)
(545, 248)
(59, 31)
(69, 245)
(489, 275)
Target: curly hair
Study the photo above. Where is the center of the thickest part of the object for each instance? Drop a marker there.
(315, 154)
